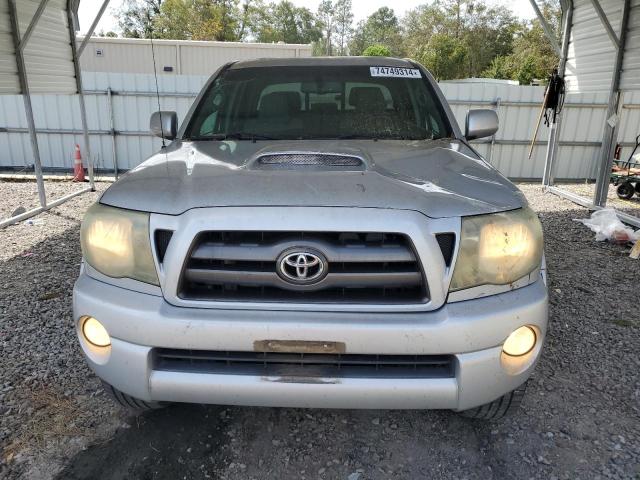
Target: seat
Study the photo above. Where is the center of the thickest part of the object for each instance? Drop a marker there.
(280, 104)
(367, 100)
(278, 112)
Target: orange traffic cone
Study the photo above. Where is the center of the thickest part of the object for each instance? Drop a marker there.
(78, 170)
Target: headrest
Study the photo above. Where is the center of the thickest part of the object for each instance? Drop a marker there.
(280, 104)
(367, 99)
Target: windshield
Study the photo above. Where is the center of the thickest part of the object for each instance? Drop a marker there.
(286, 103)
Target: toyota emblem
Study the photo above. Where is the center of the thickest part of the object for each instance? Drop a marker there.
(302, 266)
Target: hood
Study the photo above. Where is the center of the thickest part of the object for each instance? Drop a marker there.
(441, 178)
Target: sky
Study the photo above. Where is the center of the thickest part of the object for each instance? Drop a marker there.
(361, 9)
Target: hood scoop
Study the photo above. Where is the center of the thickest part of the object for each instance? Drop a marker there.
(308, 161)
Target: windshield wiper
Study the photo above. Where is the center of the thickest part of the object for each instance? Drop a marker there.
(234, 136)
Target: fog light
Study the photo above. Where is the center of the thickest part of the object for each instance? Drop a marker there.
(520, 342)
(95, 333)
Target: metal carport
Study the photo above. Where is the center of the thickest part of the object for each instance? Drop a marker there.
(600, 51)
(38, 53)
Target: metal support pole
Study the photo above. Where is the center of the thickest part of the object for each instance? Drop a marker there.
(493, 137)
(83, 110)
(24, 88)
(550, 166)
(92, 28)
(114, 155)
(36, 211)
(609, 136)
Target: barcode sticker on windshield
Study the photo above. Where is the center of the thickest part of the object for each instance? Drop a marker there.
(400, 72)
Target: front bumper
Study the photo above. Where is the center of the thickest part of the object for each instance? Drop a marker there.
(473, 331)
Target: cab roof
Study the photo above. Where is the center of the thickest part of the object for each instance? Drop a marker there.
(324, 62)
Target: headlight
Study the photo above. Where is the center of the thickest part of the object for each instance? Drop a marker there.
(116, 243)
(498, 249)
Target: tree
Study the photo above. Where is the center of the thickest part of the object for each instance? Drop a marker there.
(532, 56)
(184, 19)
(377, 51)
(135, 17)
(326, 17)
(284, 22)
(483, 31)
(445, 56)
(380, 28)
(343, 24)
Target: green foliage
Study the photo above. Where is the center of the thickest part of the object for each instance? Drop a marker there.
(470, 34)
(284, 22)
(381, 28)
(532, 56)
(135, 17)
(453, 38)
(500, 68)
(182, 19)
(376, 51)
(445, 56)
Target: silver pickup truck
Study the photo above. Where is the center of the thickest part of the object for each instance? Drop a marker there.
(317, 233)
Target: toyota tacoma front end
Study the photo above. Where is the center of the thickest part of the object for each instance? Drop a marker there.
(319, 233)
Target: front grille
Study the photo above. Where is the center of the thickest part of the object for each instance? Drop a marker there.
(304, 365)
(371, 268)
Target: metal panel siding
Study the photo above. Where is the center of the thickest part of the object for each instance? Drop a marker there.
(134, 101)
(591, 53)
(630, 79)
(48, 56)
(184, 57)
(8, 70)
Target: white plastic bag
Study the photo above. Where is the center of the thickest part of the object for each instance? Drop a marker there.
(607, 226)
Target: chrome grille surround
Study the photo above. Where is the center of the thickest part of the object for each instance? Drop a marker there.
(421, 231)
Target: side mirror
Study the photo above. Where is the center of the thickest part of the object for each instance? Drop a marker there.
(164, 124)
(481, 124)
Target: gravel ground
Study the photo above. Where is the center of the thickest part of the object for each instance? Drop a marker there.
(580, 418)
(587, 190)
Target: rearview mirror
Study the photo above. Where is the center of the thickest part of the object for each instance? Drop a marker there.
(164, 124)
(481, 124)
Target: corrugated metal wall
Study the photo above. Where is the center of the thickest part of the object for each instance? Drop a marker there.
(48, 57)
(133, 102)
(630, 79)
(591, 53)
(8, 69)
(175, 57)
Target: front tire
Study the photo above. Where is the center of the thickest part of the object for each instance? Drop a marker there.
(134, 405)
(508, 404)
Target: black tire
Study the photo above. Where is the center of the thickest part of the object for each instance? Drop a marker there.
(503, 406)
(638, 188)
(626, 191)
(134, 405)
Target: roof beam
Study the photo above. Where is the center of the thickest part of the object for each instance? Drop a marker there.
(546, 27)
(92, 27)
(605, 22)
(32, 25)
